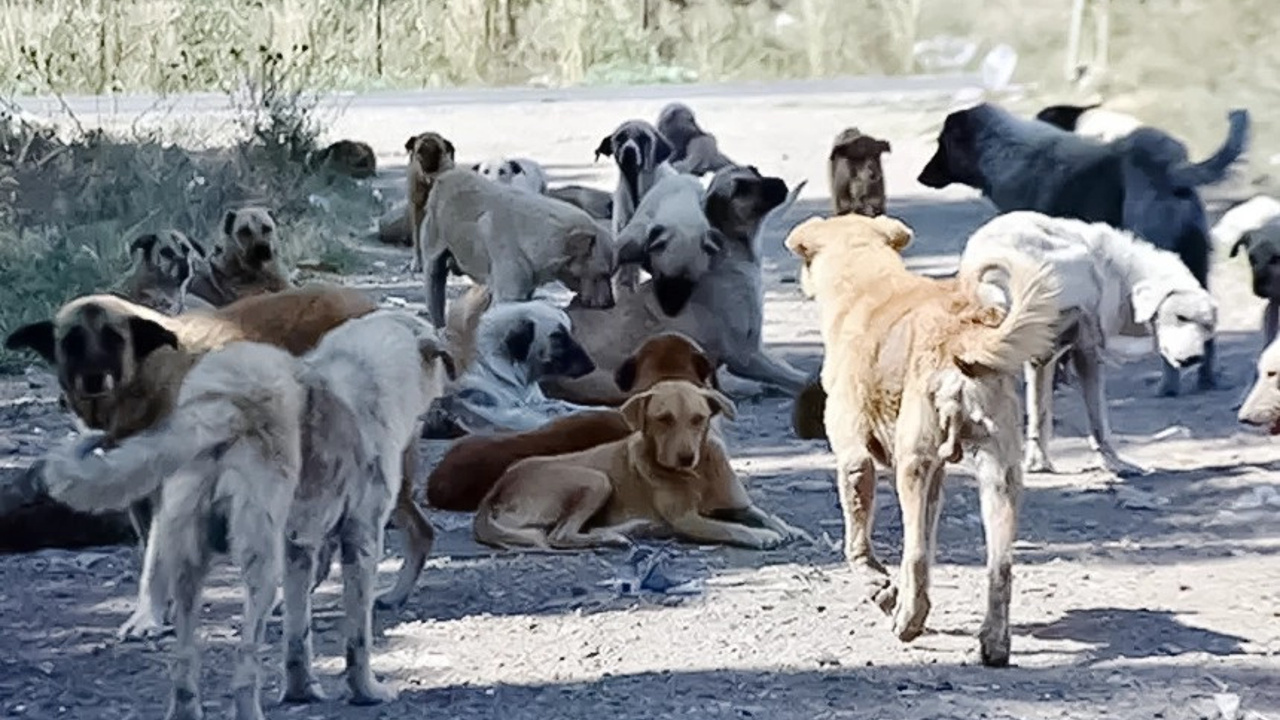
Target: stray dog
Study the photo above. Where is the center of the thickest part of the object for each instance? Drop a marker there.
(393, 225)
(287, 453)
(1113, 284)
(641, 154)
(596, 203)
(1142, 183)
(725, 312)
(920, 371)
(347, 157)
(1262, 405)
(516, 344)
(521, 173)
(429, 155)
(647, 480)
(1091, 121)
(855, 173)
(1262, 244)
(671, 238)
(243, 263)
(161, 265)
(693, 150)
(512, 241)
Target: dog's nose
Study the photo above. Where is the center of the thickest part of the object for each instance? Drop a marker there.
(686, 459)
(1193, 360)
(94, 383)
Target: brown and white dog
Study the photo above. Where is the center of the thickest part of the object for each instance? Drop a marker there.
(162, 263)
(429, 155)
(856, 175)
(244, 262)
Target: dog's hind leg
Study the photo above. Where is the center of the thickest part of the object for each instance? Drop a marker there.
(1000, 490)
(147, 619)
(418, 533)
(435, 277)
(301, 685)
(919, 482)
(856, 486)
(591, 491)
(362, 534)
(258, 545)
(1039, 388)
(1093, 387)
(186, 561)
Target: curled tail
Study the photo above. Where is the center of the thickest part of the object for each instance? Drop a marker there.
(1214, 169)
(463, 323)
(1028, 330)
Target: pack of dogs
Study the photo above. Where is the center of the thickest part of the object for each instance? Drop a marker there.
(234, 412)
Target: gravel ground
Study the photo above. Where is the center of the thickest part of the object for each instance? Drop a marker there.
(1141, 599)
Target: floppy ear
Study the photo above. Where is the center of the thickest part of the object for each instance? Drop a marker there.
(706, 370)
(625, 376)
(514, 167)
(1244, 242)
(883, 146)
(146, 242)
(579, 244)
(720, 403)
(713, 241)
(662, 149)
(605, 147)
(429, 348)
(37, 336)
(897, 234)
(408, 144)
(520, 340)
(802, 241)
(149, 336)
(229, 222)
(475, 168)
(448, 147)
(1146, 299)
(633, 410)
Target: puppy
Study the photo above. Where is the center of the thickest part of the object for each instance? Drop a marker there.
(243, 263)
(693, 150)
(671, 238)
(641, 154)
(855, 173)
(597, 203)
(161, 265)
(347, 157)
(918, 372)
(512, 241)
(429, 155)
(1142, 183)
(288, 453)
(1091, 121)
(1261, 407)
(521, 173)
(649, 479)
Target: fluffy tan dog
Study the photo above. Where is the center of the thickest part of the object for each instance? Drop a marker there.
(856, 174)
(649, 479)
(429, 155)
(918, 371)
(243, 263)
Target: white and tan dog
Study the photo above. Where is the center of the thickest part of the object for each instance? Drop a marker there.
(512, 241)
(1114, 285)
(162, 264)
(521, 173)
(641, 154)
(288, 452)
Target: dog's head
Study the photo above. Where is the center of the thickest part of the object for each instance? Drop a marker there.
(957, 157)
(665, 356)
(673, 417)
(858, 148)
(1262, 405)
(499, 170)
(738, 197)
(165, 255)
(249, 235)
(677, 124)
(1064, 117)
(537, 336)
(429, 153)
(672, 239)
(588, 263)
(636, 147)
(1183, 320)
(347, 157)
(96, 343)
(1263, 248)
(843, 238)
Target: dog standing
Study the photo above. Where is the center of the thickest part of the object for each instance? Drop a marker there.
(429, 155)
(162, 263)
(287, 452)
(641, 154)
(244, 263)
(693, 150)
(856, 174)
(918, 372)
(1261, 242)
(521, 173)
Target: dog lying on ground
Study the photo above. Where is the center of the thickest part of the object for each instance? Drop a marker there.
(1261, 406)
(521, 173)
(1091, 121)
(596, 203)
(920, 371)
(1142, 183)
(1113, 284)
(243, 263)
(288, 453)
(161, 265)
(693, 150)
(855, 173)
(347, 157)
(641, 154)
(394, 225)
(513, 242)
(725, 312)
(648, 480)
(670, 237)
(429, 155)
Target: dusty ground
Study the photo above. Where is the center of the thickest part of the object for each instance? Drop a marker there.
(1133, 600)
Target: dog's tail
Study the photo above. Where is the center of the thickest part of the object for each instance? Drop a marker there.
(490, 531)
(1215, 168)
(463, 322)
(1028, 330)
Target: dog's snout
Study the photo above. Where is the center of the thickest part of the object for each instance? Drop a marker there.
(95, 383)
(686, 458)
(261, 253)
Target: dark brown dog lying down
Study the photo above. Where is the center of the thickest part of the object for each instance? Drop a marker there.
(473, 464)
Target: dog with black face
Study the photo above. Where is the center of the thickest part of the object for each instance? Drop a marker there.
(641, 154)
(694, 150)
(162, 263)
(243, 263)
(856, 175)
(429, 155)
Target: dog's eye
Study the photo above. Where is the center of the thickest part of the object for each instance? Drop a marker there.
(73, 342)
(1182, 318)
(665, 419)
(698, 419)
(267, 230)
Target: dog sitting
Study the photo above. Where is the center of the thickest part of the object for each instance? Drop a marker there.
(641, 154)
(161, 265)
(920, 371)
(347, 157)
(1142, 183)
(855, 173)
(1113, 285)
(521, 173)
(1091, 121)
(429, 155)
(288, 453)
(243, 263)
(647, 480)
(596, 203)
(511, 241)
(693, 150)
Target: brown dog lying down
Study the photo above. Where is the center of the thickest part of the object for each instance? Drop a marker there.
(649, 480)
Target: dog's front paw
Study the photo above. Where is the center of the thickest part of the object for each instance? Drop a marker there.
(143, 624)
(304, 691)
(1122, 468)
(909, 617)
(769, 539)
(993, 645)
(373, 693)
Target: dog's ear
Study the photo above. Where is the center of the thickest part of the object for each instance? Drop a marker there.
(605, 147)
(897, 234)
(580, 244)
(625, 376)
(720, 403)
(883, 146)
(713, 242)
(475, 168)
(37, 336)
(430, 349)
(448, 148)
(1244, 242)
(145, 243)
(520, 340)
(149, 336)
(198, 248)
(662, 149)
(805, 239)
(634, 409)
(706, 371)
(1146, 299)
(229, 223)
(514, 167)
(410, 143)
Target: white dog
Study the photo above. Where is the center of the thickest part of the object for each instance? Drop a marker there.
(521, 173)
(1261, 406)
(1114, 285)
(288, 452)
